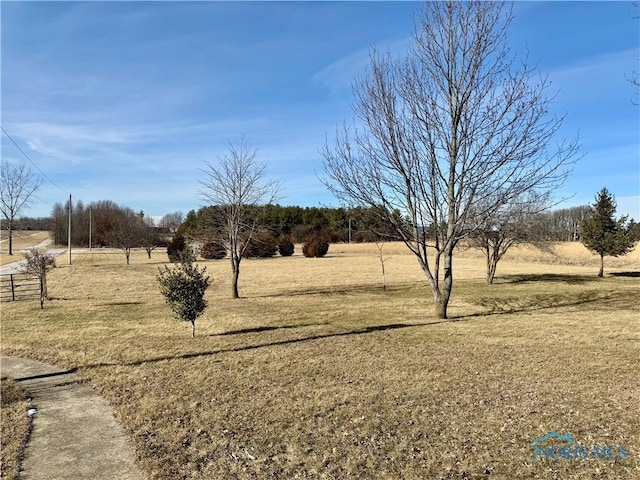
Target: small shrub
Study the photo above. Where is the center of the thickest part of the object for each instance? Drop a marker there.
(213, 251)
(176, 248)
(286, 247)
(183, 289)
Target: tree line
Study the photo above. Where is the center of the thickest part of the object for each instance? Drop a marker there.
(363, 224)
(106, 224)
(360, 224)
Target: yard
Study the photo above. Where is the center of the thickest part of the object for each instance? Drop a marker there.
(318, 372)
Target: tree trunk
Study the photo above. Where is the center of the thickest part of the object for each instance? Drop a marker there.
(10, 239)
(42, 291)
(234, 281)
(441, 308)
(491, 272)
(384, 278)
(491, 266)
(443, 294)
(193, 329)
(601, 272)
(44, 284)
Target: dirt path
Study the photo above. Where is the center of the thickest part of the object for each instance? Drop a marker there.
(75, 435)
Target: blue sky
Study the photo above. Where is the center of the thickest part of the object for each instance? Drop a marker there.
(126, 100)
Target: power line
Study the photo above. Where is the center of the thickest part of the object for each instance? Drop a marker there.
(31, 161)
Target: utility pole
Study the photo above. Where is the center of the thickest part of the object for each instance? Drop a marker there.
(89, 228)
(69, 234)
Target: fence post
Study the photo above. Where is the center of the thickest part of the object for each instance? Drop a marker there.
(13, 290)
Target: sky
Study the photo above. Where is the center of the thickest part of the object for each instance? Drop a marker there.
(126, 101)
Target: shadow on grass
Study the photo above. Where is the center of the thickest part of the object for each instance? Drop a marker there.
(375, 289)
(625, 274)
(547, 277)
(264, 329)
(118, 304)
(293, 341)
(502, 306)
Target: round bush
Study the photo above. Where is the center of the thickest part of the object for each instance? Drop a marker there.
(286, 247)
(316, 247)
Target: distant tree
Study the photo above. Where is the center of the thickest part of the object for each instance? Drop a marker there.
(18, 184)
(39, 262)
(563, 225)
(129, 231)
(634, 230)
(602, 233)
(151, 239)
(171, 221)
(455, 122)
(184, 287)
(237, 184)
(516, 223)
(177, 247)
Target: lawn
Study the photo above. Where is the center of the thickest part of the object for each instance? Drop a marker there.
(317, 372)
(21, 239)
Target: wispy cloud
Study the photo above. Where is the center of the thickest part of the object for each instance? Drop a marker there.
(599, 78)
(340, 74)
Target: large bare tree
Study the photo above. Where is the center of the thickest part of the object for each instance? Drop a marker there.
(438, 133)
(236, 183)
(18, 184)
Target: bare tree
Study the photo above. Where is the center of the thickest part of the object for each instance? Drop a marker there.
(516, 223)
(380, 246)
(150, 237)
(455, 123)
(172, 221)
(18, 184)
(236, 184)
(129, 231)
(39, 262)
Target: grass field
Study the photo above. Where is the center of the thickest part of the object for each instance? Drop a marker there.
(317, 372)
(15, 424)
(21, 240)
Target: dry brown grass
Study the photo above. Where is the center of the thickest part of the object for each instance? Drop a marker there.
(14, 425)
(21, 240)
(319, 373)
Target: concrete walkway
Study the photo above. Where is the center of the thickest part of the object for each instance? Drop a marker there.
(75, 435)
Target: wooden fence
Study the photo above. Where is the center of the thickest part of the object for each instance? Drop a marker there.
(19, 286)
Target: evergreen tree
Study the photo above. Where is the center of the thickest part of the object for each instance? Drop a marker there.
(602, 233)
(184, 287)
